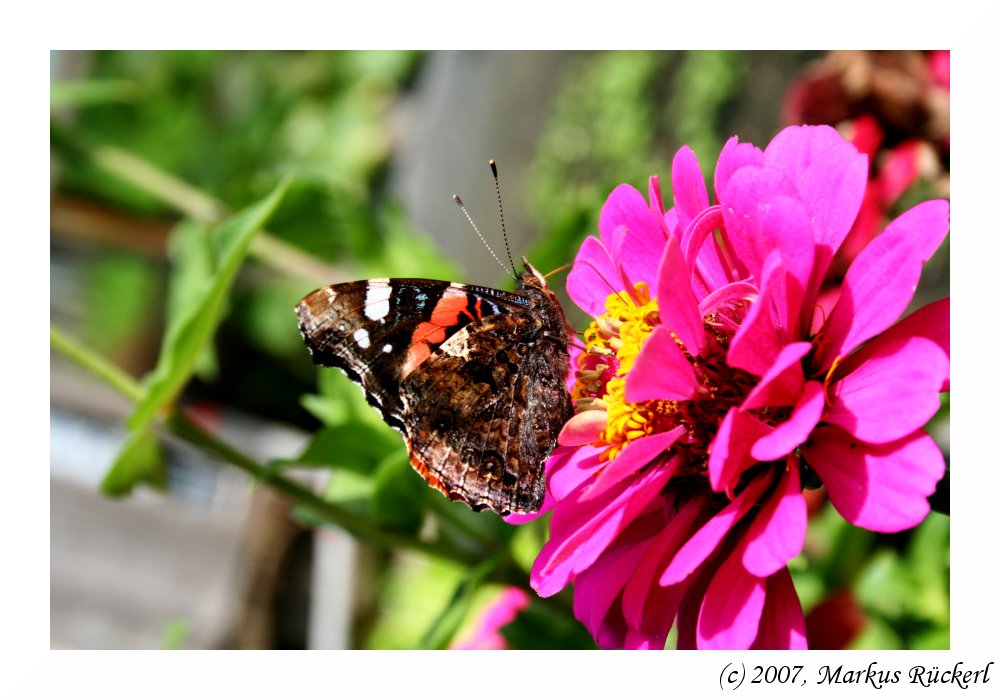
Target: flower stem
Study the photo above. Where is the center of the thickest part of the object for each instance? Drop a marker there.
(90, 360)
(164, 186)
(358, 525)
(181, 426)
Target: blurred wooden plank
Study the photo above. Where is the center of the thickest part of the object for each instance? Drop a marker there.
(83, 220)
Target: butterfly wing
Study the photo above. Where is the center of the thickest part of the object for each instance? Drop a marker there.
(486, 409)
(467, 374)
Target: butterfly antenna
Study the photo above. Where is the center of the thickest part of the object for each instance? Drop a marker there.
(605, 279)
(496, 181)
(458, 201)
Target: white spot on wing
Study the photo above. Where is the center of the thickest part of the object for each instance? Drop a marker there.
(377, 299)
(361, 337)
(387, 348)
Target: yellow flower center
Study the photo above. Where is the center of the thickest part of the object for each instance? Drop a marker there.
(613, 342)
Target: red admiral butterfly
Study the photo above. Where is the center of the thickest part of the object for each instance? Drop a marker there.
(473, 377)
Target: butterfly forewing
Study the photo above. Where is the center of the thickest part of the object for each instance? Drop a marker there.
(473, 377)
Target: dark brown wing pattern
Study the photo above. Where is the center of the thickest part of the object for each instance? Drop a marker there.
(473, 377)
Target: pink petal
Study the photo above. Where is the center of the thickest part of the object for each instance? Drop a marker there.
(701, 253)
(597, 588)
(639, 641)
(670, 222)
(763, 214)
(881, 280)
(793, 432)
(636, 455)
(795, 148)
(583, 429)
(779, 530)
(646, 605)
(581, 531)
(594, 276)
(690, 607)
(697, 549)
(932, 322)
(734, 155)
(782, 625)
(690, 195)
(892, 393)
(878, 487)
(831, 177)
(645, 238)
(678, 305)
(571, 467)
(832, 188)
(783, 382)
(655, 198)
(729, 455)
(565, 470)
(750, 195)
(758, 342)
(728, 293)
(730, 612)
(661, 371)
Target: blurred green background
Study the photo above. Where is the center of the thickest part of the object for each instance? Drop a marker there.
(163, 166)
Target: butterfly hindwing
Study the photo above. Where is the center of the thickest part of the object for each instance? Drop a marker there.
(473, 377)
(484, 412)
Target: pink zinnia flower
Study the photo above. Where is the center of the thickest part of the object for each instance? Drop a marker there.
(704, 400)
(500, 612)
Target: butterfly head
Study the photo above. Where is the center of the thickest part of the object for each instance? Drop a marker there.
(532, 277)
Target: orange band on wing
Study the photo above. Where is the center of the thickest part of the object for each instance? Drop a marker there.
(417, 353)
(450, 306)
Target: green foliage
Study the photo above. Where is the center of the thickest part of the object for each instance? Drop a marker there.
(900, 581)
(122, 285)
(542, 626)
(195, 322)
(140, 461)
(445, 626)
(398, 494)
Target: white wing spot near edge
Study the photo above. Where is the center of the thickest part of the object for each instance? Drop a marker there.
(377, 299)
(387, 348)
(361, 337)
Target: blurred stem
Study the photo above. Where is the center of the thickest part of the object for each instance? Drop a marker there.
(194, 203)
(184, 428)
(164, 186)
(90, 360)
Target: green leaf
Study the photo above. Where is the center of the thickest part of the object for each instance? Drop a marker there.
(443, 629)
(877, 634)
(193, 264)
(188, 335)
(139, 461)
(329, 410)
(83, 93)
(356, 447)
(398, 496)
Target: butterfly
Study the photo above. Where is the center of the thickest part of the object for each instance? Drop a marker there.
(474, 378)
